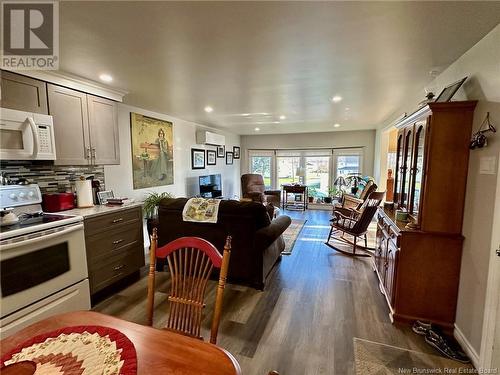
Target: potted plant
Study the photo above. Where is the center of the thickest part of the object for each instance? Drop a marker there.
(150, 208)
(332, 193)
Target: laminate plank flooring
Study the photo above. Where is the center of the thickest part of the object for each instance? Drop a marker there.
(304, 322)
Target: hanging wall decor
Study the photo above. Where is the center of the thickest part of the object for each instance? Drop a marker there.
(197, 158)
(479, 139)
(152, 151)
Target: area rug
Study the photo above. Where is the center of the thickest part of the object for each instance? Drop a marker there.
(291, 234)
(372, 358)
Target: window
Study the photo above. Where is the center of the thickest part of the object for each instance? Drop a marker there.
(317, 175)
(262, 165)
(261, 162)
(348, 162)
(287, 169)
(317, 168)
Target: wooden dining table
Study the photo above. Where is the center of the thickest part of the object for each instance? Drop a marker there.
(158, 351)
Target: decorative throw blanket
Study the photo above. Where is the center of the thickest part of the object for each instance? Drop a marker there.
(201, 210)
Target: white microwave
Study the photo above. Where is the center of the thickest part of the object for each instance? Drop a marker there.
(26, 136)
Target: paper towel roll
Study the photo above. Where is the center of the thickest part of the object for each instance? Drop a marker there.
(84, 193)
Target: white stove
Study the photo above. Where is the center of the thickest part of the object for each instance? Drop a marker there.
(43, 265)
(22, 203)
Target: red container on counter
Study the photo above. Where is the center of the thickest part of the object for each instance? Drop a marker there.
(54, 202)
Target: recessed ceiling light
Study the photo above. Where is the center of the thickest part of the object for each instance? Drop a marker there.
(105, 77)
(257, 129)
(347, 108)
(336, 125)
(336, 98)
(208, 109)
(282, 117)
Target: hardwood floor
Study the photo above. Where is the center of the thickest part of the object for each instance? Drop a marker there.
(316, 302)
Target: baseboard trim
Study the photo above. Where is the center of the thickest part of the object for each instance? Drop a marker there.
(466, 346)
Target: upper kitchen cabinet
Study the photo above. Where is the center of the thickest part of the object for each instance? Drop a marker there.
(71, 125)
(23, 93)
(85, 126)
(103, 126)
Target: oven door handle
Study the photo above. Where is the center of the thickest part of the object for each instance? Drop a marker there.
(32, 241)
(36, 142)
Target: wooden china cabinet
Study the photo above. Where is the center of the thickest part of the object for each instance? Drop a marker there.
(418, 261)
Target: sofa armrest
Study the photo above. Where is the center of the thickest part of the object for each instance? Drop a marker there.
(267, 235)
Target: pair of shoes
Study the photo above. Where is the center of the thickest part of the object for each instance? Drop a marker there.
(421, 328)
(438, 342)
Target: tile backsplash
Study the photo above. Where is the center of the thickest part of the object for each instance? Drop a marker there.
(51, 178)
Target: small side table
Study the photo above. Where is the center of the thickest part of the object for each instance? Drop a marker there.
(295, 189)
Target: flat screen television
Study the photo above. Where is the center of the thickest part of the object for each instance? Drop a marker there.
(210, 186)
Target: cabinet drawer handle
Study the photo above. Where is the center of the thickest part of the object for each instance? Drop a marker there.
(117, 268)
(117, 220)
(117, 242)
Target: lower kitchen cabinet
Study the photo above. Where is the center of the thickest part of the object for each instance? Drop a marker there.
(115, 246)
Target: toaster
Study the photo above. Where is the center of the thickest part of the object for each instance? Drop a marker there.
(54, 202)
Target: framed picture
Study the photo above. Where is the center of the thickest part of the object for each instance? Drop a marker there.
(229, 158)
(236, 152)
(449, 91)
(197, 158)
(152, 151)
(103, 196)
(211, 157)
(221, 151)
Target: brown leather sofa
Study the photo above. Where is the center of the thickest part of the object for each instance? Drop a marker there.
(252, 187)
(257, 241)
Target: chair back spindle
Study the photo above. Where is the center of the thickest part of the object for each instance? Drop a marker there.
(368, 210)
(191, 261)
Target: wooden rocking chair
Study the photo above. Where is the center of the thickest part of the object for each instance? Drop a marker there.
(355, 226)
(191, 261)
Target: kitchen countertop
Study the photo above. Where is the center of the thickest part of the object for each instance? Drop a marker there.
(98, 210)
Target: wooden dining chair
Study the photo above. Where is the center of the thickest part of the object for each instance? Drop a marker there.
(190, 261)
(355, 226)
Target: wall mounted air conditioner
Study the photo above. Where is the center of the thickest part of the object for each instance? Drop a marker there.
(208, 138)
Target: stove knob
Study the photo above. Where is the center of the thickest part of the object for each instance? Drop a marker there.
(22, 195)
(13, 196)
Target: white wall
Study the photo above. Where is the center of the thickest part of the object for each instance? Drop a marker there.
(119, 177)
(337, 139)
(482, 64)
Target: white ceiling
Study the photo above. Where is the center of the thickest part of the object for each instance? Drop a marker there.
(255, 61)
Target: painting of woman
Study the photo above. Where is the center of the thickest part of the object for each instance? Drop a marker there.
(152, 151)
(159, 166)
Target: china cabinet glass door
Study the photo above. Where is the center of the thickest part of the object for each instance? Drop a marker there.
(418, 169)
(398, 186)
(408, 148)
